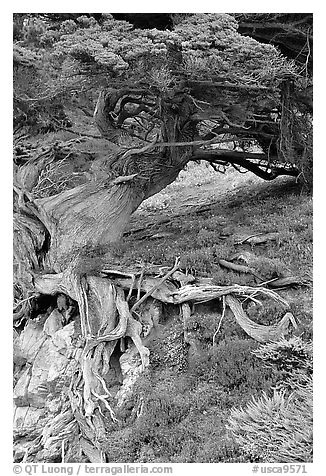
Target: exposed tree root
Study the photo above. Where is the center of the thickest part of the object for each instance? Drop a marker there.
(258, 332)
(71, 361)
(252, 267)
(157, 285)
(258, 239)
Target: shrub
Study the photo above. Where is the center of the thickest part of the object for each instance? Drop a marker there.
(68, 26)
(276, 429)
(232, 365)
(198, 260)
(182, 420)
(292, 358)
(33, 30)
(121, 447)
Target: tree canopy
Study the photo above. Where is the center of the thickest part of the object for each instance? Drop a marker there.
(240, 89)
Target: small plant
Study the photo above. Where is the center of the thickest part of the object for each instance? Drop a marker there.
(161, 77)
(33, 29)
(287, 356)
(233, 367)
(276, 429)
(198, 260)
(279, 428)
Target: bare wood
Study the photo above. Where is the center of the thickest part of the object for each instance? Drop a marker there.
(220, 322)
(259, 332)
(247, 238)
(207, 292)
(139, 284)
(118, 273)
(120, 329)
(186, 313)
(163, 293)
(156, 286)
(183, 278)
(123, 179)
(235, 267)
(259, 238)
(133, 277)
(289, 281)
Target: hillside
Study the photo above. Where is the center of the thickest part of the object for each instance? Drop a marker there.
(187, 397)
(203, 369)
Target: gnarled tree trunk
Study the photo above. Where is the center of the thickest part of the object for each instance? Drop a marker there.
(76, 363)
(63, 401)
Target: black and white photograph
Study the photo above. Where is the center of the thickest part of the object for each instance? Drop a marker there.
(162, 241)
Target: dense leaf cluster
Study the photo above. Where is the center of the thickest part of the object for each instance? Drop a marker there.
(208, 45)
(240, 86)
(279, 427)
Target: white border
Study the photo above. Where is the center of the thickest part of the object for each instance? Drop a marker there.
(319, 186)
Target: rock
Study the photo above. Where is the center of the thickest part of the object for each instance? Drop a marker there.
(27, 420)
(21, 387)
(52, 369)
(151, 311)
(53, 323)
(131, 368)
(30, 341)
(62, 339)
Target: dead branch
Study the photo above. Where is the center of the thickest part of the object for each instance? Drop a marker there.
(259, 332)
(289, 281)
(79, 134)
(207, 292)
(123, 179)
(214, 140)
(259, 238)
(220, 322)
(232, 124)
(156, 286)
(239, 268)
(141, 150)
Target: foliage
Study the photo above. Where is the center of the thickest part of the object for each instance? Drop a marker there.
(278, 428)
(292, 358)
(231, 365)
(213, 48)
(205, 40)
(181, 416)
(81, 54)
(179, 421)
(38, 92)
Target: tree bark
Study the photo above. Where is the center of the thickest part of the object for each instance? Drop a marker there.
(62, 241)
(64, 359)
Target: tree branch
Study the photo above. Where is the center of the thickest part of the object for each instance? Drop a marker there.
(157, 285)
(214, 140)
(266, 171)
